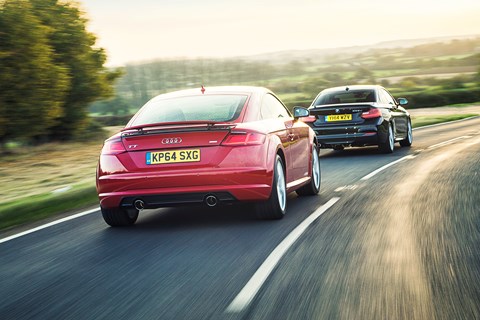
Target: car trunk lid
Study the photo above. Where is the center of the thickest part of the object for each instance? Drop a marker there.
(173, 145)
(340, 113)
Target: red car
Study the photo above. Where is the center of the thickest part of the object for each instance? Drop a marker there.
(208, 145)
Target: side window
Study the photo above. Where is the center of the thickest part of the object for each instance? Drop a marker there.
(382, 97)
(266, 110)
(272, 108)
(387, 97)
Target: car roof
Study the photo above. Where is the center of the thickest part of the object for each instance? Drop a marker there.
(354, 87)
(213, 90)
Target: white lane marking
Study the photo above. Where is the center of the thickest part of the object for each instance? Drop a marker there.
(371, 174)
(246, 295)
(348, 187)
(444, 143)
(18, 235)
(444, 123)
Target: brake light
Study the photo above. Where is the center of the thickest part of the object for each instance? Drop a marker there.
(113, 146)
(236, 138)
(308, 119)
(372, 113)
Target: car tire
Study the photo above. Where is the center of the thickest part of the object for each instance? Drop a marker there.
(313, 187)
(388, 145)
(276, 205)
(338, 148)
(407, 142)
(117, 217)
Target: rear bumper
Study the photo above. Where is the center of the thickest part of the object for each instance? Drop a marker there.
(174, 188)
(362, 135)
(357, 139)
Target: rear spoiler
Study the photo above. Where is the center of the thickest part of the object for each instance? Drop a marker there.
(171, 127)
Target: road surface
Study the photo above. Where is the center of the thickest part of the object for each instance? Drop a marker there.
(396, 242)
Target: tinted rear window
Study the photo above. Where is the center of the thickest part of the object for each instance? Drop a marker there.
(351, 96)
(194, 108)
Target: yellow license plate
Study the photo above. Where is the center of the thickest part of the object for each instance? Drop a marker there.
(173, 156)
(338, 117)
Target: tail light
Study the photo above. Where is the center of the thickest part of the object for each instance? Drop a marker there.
(113, 146)
(109, 163)
(240, 138)
(372, 113)
(308, 119)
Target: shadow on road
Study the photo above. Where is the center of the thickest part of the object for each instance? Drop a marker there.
(362, 152)
(196, 217)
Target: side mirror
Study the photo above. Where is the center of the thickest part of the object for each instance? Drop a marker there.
(299, 112)
(402, 101)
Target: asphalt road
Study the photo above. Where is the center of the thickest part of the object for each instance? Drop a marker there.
(402, 243)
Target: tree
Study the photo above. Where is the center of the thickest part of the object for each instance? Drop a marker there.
(32, 87)
(74, 50)
(116, 106)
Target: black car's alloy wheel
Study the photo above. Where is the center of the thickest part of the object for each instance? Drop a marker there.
(407, 142)
(388, 145)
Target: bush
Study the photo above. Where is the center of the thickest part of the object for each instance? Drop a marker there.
(93, 130)
(442, 98)
(113, 120)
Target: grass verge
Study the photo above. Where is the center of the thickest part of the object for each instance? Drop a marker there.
(420, 121)
(41, 206)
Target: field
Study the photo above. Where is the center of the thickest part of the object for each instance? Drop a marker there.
(52, 178)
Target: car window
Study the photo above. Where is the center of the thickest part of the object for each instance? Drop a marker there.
(220, 108)
(386, 97)
(344, 96)
(272, 108)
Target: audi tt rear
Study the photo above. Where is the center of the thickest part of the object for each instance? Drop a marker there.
(208, 146)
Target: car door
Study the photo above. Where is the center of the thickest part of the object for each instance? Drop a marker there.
(399, 117)
(297, 143)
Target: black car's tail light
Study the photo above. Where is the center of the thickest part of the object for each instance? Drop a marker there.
(372, 113)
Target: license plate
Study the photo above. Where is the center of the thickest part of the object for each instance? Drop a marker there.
(338, 117)
(173, 156)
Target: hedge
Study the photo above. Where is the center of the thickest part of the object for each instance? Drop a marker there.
(425, 99)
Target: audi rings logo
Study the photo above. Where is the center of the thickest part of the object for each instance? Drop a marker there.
(171, 140)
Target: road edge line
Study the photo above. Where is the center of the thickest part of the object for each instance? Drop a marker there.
(373, 173)
(250, 290)
(44, 226)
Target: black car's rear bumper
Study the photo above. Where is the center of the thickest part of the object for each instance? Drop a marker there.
(354, 135)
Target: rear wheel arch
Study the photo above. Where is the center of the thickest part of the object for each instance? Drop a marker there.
(282, 156)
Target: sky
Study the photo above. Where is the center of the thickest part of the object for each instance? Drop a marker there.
(142, 30)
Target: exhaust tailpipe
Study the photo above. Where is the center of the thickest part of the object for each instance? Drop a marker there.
(139, 204)
(211, 200)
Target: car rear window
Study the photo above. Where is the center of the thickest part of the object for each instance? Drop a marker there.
(222, 108)
(350, 96)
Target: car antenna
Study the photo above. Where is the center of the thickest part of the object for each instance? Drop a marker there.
(203, 89)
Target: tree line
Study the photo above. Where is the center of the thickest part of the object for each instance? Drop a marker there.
(50, 71)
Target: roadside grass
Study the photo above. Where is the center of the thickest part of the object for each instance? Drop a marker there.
(420, 121)
(40, 182)
(41, 206)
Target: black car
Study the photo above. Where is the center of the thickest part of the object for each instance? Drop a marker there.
(360, 116)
